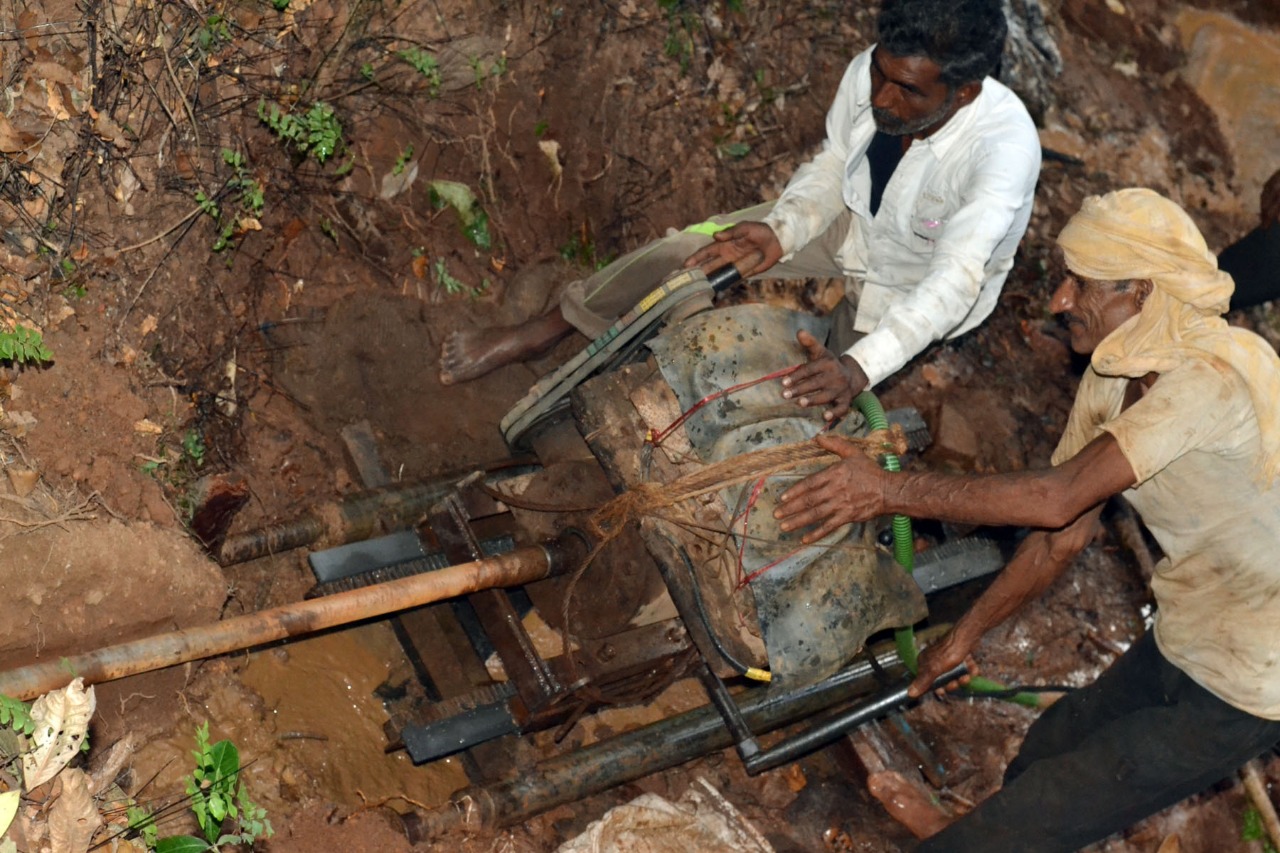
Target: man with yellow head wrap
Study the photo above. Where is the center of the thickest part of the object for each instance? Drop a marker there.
(1178, 411)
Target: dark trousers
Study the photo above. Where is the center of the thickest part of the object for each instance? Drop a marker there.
(1254, 262)
(1139, 739)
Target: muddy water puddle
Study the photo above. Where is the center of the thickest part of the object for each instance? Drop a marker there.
(322, 712)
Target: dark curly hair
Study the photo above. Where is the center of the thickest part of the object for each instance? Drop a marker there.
(964, 37)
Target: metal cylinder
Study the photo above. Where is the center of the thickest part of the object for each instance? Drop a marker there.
(356, 517)
(831, 730)
(573, 776)
(521, 566)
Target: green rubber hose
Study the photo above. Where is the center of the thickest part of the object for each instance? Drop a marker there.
(904, 553)
(904, 550)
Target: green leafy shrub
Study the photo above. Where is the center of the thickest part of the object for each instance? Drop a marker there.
(218, 799)
(425, 63)
(316, 132)
(23, 346)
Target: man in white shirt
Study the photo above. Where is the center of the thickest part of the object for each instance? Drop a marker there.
(1179, 412)
(918, 199)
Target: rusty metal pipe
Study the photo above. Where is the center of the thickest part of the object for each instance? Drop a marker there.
(575, 775)
(521, 566)
(356, 517)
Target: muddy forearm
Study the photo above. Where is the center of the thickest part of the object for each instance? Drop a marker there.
(1029, 499)
(1037, 563)
(1050, 499)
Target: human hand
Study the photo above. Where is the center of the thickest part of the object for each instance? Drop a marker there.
(847, 491)
(825, 380)
(1271, 201)
(939, 659)
(734, 244)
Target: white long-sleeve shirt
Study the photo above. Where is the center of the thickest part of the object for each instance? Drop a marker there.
(931, 262)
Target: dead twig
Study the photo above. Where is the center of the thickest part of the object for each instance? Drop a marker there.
(1254, 784)
(165, 233)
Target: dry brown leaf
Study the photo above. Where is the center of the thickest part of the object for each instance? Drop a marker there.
(105, 127)
(73, 818)
(12, 140)
(420, 265)
(149, 325)
(62, 721)
(57, 108)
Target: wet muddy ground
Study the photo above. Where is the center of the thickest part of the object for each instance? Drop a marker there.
(582, 129)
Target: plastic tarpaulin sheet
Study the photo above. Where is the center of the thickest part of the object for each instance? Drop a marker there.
(817, 605)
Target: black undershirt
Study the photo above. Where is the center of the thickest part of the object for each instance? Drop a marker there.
(883, 156)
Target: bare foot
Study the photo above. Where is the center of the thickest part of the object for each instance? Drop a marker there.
(471, 353)
(909, 803)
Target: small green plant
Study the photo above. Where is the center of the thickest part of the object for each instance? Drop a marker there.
(483, 71)
(682, 24)
(212, 33)
(249, 201)
(403, 160)
(474, 221)
(540, 129)
(455, 286)
(227, 816)
(193, 447)
(733, 150)
(316, 132)
(23, 346)
(16, 714)
(141, 821)
(279, 5)
(425, 63)
(366, 71)
(581, 250)
(1254, 829)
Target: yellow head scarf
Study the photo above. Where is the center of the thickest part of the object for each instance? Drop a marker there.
(1139, 234)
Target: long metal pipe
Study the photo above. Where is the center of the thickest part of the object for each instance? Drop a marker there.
(521, 566)
(829, 731)
(356, 517)
(627, 757)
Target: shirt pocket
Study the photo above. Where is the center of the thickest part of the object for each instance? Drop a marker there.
(928, 220)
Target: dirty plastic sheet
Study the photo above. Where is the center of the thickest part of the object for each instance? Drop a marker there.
(701, 820)
(816, 605)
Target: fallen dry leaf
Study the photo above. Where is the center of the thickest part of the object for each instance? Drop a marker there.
(74, 817)
(147, 427)
(62, 721)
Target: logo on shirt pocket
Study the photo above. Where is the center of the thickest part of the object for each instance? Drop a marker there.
(929, 219)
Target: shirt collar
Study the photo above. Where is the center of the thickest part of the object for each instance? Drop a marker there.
(957, 127)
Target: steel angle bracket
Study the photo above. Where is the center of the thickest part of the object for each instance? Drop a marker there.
(552, 391)
(953, 563)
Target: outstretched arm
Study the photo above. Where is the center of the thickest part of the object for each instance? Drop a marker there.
(1037, 563)
(856, 489)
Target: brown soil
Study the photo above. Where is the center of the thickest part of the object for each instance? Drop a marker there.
(583, 129)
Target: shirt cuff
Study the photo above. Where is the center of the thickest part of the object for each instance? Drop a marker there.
(783, 231)
(880, 356)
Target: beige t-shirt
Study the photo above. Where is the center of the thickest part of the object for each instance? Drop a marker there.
(1193, 443)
